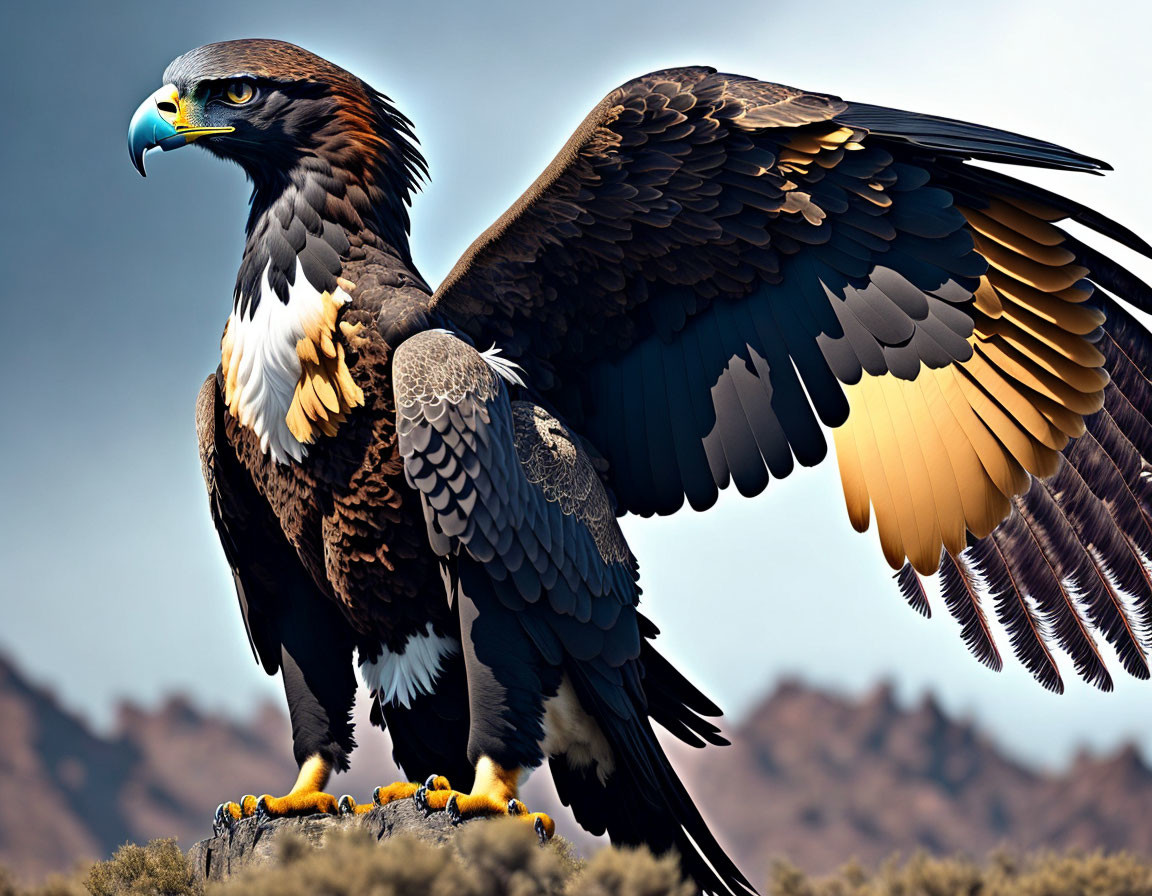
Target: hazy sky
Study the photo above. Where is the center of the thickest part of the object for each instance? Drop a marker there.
(115, 291)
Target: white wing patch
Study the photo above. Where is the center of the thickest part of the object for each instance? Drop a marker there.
(399, 678)
(261, 365)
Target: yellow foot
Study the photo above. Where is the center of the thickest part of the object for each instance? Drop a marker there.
(381, 796)
(460, 806)
(268, 806)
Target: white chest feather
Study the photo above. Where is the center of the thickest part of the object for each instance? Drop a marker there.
(265, 351)
(401, 677)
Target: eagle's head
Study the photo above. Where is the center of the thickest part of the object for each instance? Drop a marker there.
(277, 110)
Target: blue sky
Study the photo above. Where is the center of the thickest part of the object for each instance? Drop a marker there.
(115, 290)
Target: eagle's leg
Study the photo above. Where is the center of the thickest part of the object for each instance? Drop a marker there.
(429, 737)
(508, 683)
(320, 687)
(307, 797)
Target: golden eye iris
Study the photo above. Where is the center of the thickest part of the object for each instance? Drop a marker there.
(239, 92)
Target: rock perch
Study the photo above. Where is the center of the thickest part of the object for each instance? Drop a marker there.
(252, 842)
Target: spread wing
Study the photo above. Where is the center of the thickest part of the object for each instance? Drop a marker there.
(715, 266)
(517, 509)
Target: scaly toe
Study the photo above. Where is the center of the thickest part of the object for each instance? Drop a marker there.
(424, 798)
(542, 824)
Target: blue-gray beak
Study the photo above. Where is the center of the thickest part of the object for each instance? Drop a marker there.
(159, 122)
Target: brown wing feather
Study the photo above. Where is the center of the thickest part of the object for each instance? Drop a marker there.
(713, 240)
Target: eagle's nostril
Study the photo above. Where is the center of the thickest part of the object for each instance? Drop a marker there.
(167, 106)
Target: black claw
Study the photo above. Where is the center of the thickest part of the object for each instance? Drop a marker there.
(347, 805)
(262, 813)
(430, 784)
(453, 810)
(540, 832)
(420, 798)
(515, 807)
(219, 824)
(376, 796)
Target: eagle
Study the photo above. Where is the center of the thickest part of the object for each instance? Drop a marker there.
(712, 273)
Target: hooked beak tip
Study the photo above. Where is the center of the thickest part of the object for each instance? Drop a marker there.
(157, 124)
(149, 127)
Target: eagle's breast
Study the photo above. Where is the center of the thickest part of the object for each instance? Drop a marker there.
(286, 374)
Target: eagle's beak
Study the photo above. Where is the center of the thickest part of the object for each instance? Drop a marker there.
(160, 122)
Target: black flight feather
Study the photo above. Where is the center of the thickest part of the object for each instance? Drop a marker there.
(962, 599)
(965, 139)
(913, 590)
(1026, 631)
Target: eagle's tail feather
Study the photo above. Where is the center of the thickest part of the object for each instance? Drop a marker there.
(673, 702)
(643, 801)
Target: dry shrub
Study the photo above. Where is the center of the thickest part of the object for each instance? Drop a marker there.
(158, 869)
(60, 885)
(1094, 874)
(349, 864)
(501, 857)
(629, 872)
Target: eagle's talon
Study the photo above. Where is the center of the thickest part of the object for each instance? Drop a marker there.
(515, 807)
(225, 817)
(420, 798)
(541, 831)
(262, 814)
(376, 796)
(453, 810)
(347, 805)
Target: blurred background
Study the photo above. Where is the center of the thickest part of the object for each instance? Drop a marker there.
(842, 701)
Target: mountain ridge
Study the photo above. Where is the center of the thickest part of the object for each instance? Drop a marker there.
(812, 776)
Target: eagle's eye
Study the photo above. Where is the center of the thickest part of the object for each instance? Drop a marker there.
(239, 92)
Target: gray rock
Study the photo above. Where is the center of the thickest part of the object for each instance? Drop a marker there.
(252, 843)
